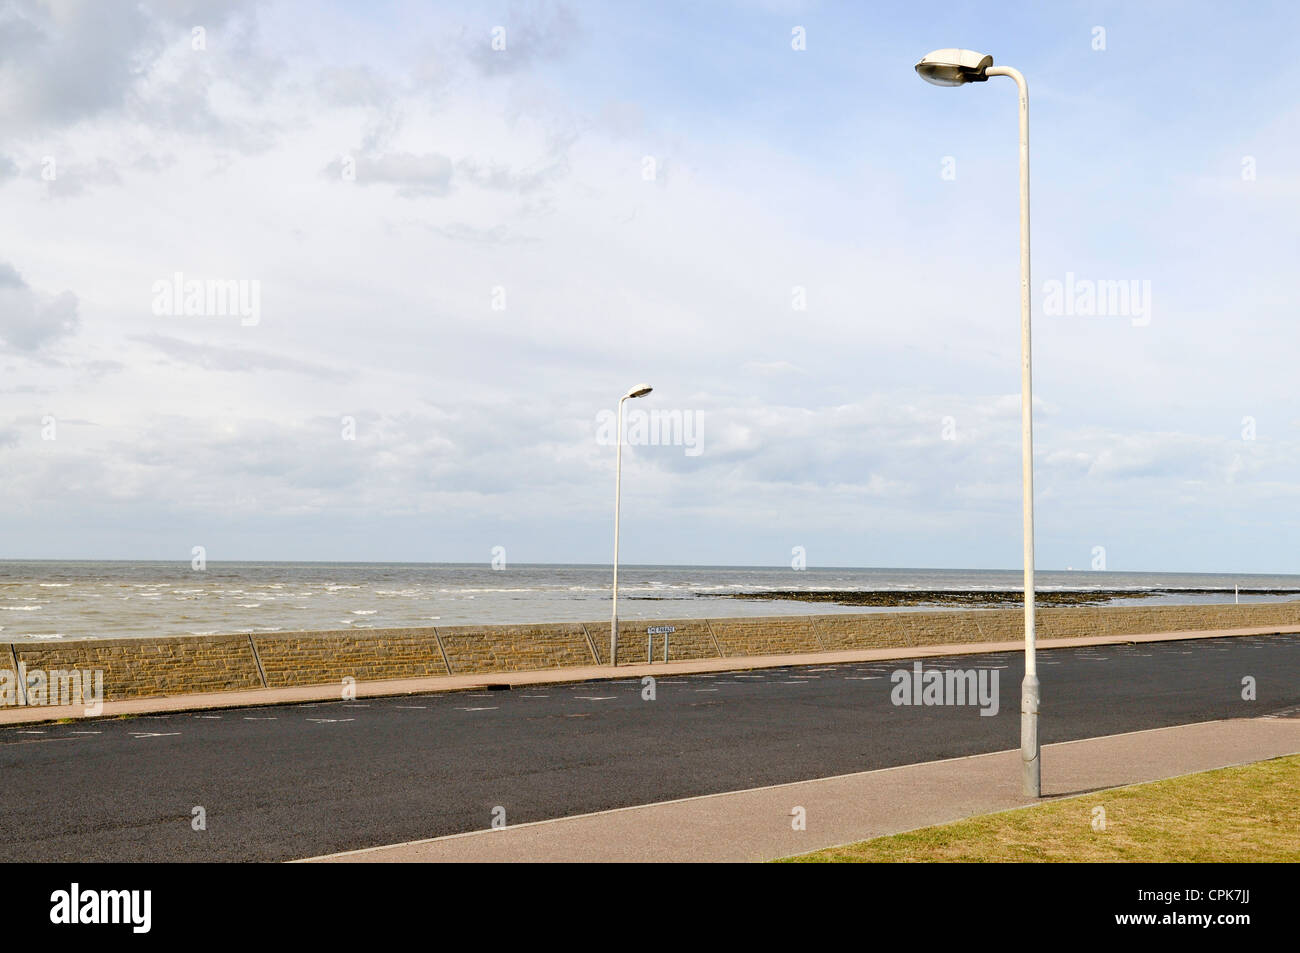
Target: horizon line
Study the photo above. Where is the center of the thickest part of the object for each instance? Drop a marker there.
(605, 565)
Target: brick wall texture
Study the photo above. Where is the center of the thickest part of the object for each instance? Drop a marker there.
(515, 648)
(771, 636)
(139, 668)
(317, 658)
(692, 639)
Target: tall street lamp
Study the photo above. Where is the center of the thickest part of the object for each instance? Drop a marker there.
(955, 68)
(639, 391)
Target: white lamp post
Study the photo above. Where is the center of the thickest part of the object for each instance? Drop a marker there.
(955, 68)
(639, 391)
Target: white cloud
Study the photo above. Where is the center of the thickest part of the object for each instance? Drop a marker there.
(29, 319)
(474, 333)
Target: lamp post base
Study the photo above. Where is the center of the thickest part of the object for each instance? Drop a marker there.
(1030, 755)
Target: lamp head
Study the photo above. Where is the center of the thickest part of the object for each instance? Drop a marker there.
(954, 67)
(639, 391)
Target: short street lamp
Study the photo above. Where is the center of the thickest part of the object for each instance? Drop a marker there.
(956, 68)
(639, 391)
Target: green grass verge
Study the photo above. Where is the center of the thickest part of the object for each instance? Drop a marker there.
(1243, 814)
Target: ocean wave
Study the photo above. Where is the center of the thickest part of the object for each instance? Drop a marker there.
(463, 590)
(285, 595)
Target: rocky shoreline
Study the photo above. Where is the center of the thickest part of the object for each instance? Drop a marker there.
(886, 598)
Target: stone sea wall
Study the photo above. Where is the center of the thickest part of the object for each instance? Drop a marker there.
(148, 667)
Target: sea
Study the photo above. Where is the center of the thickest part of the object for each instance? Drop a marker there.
(42, 600)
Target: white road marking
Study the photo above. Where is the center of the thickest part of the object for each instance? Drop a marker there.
(491, 708)
(863, 678)
(411, 707)
(706, 689)
(536, 696)
(209, 717)
(330, 721)
(86, 732)
(154, 734)
(595, 698)
(248, 718)
(29, 732)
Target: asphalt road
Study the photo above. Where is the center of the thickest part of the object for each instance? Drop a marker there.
(296, 781)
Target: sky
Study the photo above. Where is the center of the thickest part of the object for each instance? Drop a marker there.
(423, 249)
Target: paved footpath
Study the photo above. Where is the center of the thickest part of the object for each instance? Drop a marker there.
(584, 673)
(756, 825)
